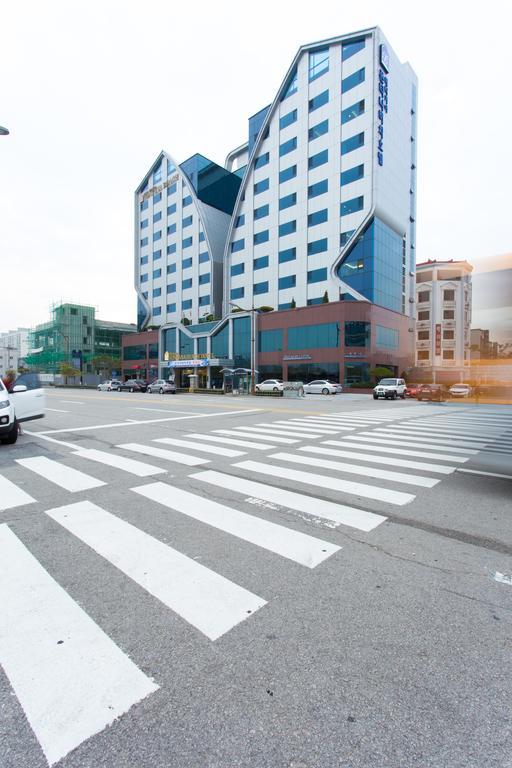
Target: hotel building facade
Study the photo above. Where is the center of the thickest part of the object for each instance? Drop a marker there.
(317, 207)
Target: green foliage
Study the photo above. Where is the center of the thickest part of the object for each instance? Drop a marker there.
(106, 364)
(185, 321)
(67, 370)
(325, 298)
(380, 372)
(293, 304)
(265, 309)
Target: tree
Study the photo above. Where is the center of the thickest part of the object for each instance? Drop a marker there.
(293, 304)
(65, 369)
(325, 298)
(106, 364)
(380, 372)
(185, 321)
(265, 309)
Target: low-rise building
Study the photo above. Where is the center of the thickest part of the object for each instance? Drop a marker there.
(13, 349)
(140, 355)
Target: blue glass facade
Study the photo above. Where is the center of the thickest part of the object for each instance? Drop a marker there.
(373, 265)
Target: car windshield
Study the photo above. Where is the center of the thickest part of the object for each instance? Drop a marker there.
(387, 381)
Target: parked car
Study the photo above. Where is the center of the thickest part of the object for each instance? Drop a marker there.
(322, 387)
(270, 385)
(389, 389)
(132, 385)
(109, 385)
(411, 390)
(432, 392)
(162, 386)
(461, 390)
(24, 401)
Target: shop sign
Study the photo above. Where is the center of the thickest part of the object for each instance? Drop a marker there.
(382, 101)
(355, 354)
(438, 338)
(203, 363)
(159, 187)
(175, 356)
(296, 357)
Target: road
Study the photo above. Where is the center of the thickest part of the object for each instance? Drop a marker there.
(221, 582)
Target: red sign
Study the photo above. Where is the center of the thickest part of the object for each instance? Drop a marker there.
(438, 338)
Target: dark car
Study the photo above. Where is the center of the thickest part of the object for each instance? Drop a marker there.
(411, 390)
(432, 392)
(132, 385)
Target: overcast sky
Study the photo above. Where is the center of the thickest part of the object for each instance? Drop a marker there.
(92, 91)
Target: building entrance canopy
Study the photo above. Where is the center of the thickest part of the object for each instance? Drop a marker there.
(203, 362)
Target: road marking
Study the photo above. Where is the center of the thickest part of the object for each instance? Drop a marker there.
(71, 402)
(323, 423)
(149, 421)
(255, 436)
(269, 433)
(308, 425)
(162, 453)
(209, 602)
(299, 547)
(232, 441)
(440, 439)
(357, 469)
(71, 479)
(12, 496)
(397, 451)
(291, 425)
(455, 430)
(488, 474)
(393, 440)
(197, 446)
(166, 410)
(70, 678)
(327, 510)
(393, 462)
(132, 466)
(50, 439)
(333, 483)
(57, 410)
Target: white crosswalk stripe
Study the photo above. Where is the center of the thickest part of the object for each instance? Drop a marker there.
(201, 447)
(299, 547)
(327, 510)
(12, 496)
(391, 439)
(359, 446)
(458, 430)
(358, 469)
(232, 441)
(392, 462)
(283, 432)
(298, 427)
(163, 453)
(206, 600)
(66, 477)
(315, 426)
(138, 468)
(325, 481)
(70, 678)
(255, 436)
(439, 439)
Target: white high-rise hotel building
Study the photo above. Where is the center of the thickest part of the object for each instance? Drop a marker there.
(319, 204)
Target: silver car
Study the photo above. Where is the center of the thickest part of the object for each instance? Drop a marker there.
(322, 387)
(109, 385)
(162, 386)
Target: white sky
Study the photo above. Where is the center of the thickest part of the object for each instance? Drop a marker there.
(92, 91)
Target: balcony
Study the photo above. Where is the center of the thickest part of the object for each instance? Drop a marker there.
(422, 323)
(449, 323)
(423, 344)
(449, 343)
(449, 363)
(423, 363)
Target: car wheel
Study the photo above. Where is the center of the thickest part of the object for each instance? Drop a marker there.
(403, 395)
(375, 397)
(161, 390)
(11, 438)
(325, 391)
(276, 389)
(99, 389)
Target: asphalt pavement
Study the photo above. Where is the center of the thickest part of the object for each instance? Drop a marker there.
(228, 581)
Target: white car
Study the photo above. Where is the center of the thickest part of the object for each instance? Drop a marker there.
(24, 401)
(322, 387)
(460, 390)
(162, 387)
(390, 389)
(109, 385)
(270, 385)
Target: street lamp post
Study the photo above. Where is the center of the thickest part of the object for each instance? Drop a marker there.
(252, 310)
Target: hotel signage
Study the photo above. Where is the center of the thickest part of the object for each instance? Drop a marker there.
(175, 356)
(438, 338)
(159, 187)
(382, 101)
(296, 357)
(192, 363)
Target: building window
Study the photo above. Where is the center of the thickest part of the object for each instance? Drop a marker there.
(354, 142)
(157, 175)
(238, 245)
(170, 167)
(240, 220)
(186, 222)
(318, 217)
(157, 311)
(260, 263)
(357, 333)
(260, 288)
(448, 314)
(157, 216)
(423, 335)
(448, 354)
(317, 275)
(287, 228)
(171, 288)
(261, 212)
(288, 119)
(291, 87)
(352, 80)
(157, 292)
(260, 237)
(345, 237)
(448, 295)
(204, 301)
(261, 160)
(271, 340)
(351, 174)
(237, 269)
(319, 336)
(352, 112)
(351, 206)
(171, 248)
(318, 63)
(187, 283)
(351, 47)
(448, 334)
(186, 201)
(143, 242)
(423, 296)
(290, 254)
(157, 255)
(171, 229)
(318, 101)
(317, 246)
(187, 242)
(318, 189)
(261, 186)
(204, 257)
(287, 201)
(287, 173)
(144, 205)
(287, 146)
(387, 338)
(171, 189)
(145, 294)
(171, 209)
(144, 224)
(289, 281)
(171, 308)
(144, 260)
(157, 235)
(186, 263)
(201, 237)
(319, 159)
(157, 273)
(424, 354)
(318, 130)
(424, 315)
(186, 304)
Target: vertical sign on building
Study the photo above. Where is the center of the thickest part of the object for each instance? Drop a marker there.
(438, 338)
(382, 101)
